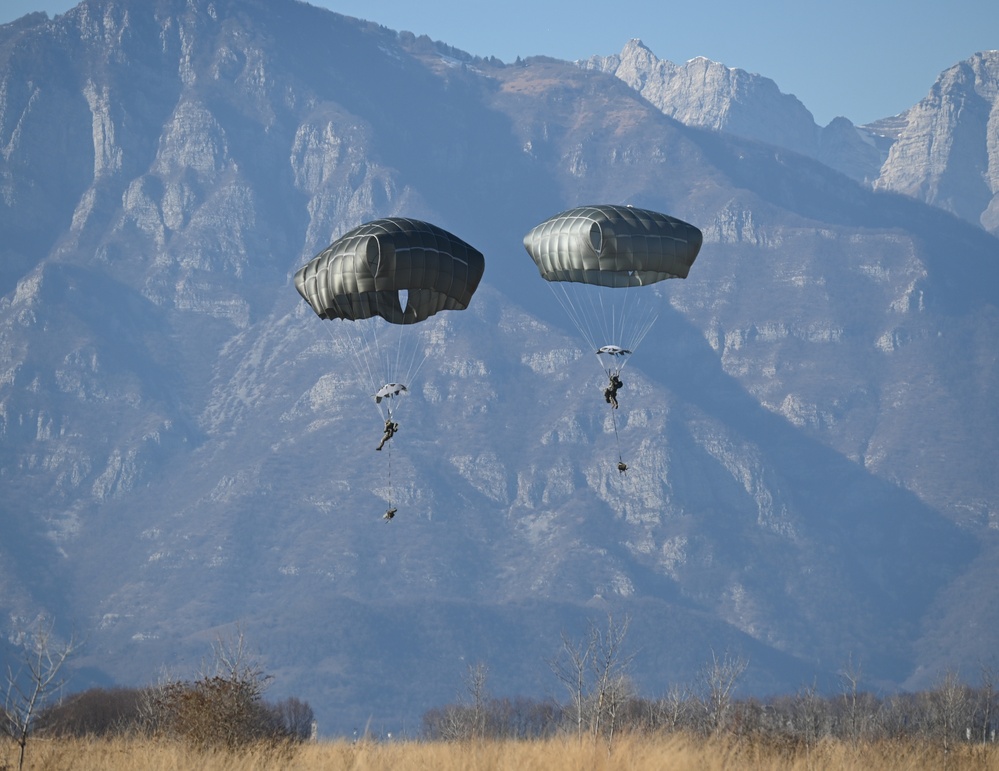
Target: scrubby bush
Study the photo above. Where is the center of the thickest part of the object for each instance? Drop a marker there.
(95, 712)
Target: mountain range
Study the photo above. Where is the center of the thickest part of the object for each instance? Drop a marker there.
(185, 449)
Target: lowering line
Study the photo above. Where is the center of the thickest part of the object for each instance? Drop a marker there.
(621, 465)
(391, 510)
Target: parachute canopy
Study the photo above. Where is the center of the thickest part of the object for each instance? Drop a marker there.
(400, 269)
(613, 246)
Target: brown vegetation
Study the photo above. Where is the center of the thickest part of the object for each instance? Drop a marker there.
(220, 721)
(678, 752)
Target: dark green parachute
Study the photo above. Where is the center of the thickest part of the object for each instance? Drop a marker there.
(613, 246)
(381, 278)
(384, 278)
(373, 269)
(603, 263)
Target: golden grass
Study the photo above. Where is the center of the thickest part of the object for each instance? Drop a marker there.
(634, 753)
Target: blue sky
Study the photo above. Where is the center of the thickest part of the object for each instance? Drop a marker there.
(864, 59)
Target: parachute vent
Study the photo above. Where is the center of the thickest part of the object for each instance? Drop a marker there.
(596, 237)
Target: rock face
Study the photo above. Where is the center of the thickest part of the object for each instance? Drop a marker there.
(184, 446)
(941, 151)
(710, 95)
(947, 151)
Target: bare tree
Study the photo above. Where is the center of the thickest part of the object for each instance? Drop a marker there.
(987, 702)
(615, 696)
(720, 678)
(571, 666)
(475, 684)
(472, 717)
(812, 715)
(850, 680)
(594, 673)
(612, 687)
(672, 711)
(34, 682)
(233, 661)
(949, 707)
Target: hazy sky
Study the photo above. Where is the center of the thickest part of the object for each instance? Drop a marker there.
(865, 59)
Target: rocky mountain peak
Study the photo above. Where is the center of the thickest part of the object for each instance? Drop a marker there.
(710, 95)
(947, 148)
(931, 151)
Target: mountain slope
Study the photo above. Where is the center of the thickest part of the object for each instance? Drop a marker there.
(185, 446)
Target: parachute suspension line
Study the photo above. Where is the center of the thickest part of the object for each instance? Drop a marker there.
(575, 315)
(354, 340)
(416, 361)
(341, 342)
(620, 316)
(633, 312)
(377, 358)
(396, 359)
(403, 357)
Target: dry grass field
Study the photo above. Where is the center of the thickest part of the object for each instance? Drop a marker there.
(675, 752)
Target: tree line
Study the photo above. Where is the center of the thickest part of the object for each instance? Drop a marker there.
(224, 706)
(600, 700)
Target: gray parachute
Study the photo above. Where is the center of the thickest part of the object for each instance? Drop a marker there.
(601, 263)
(400, 269)
(613, 246)
(604, 263)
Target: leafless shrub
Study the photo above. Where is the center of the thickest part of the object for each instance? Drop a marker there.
(224, 707)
